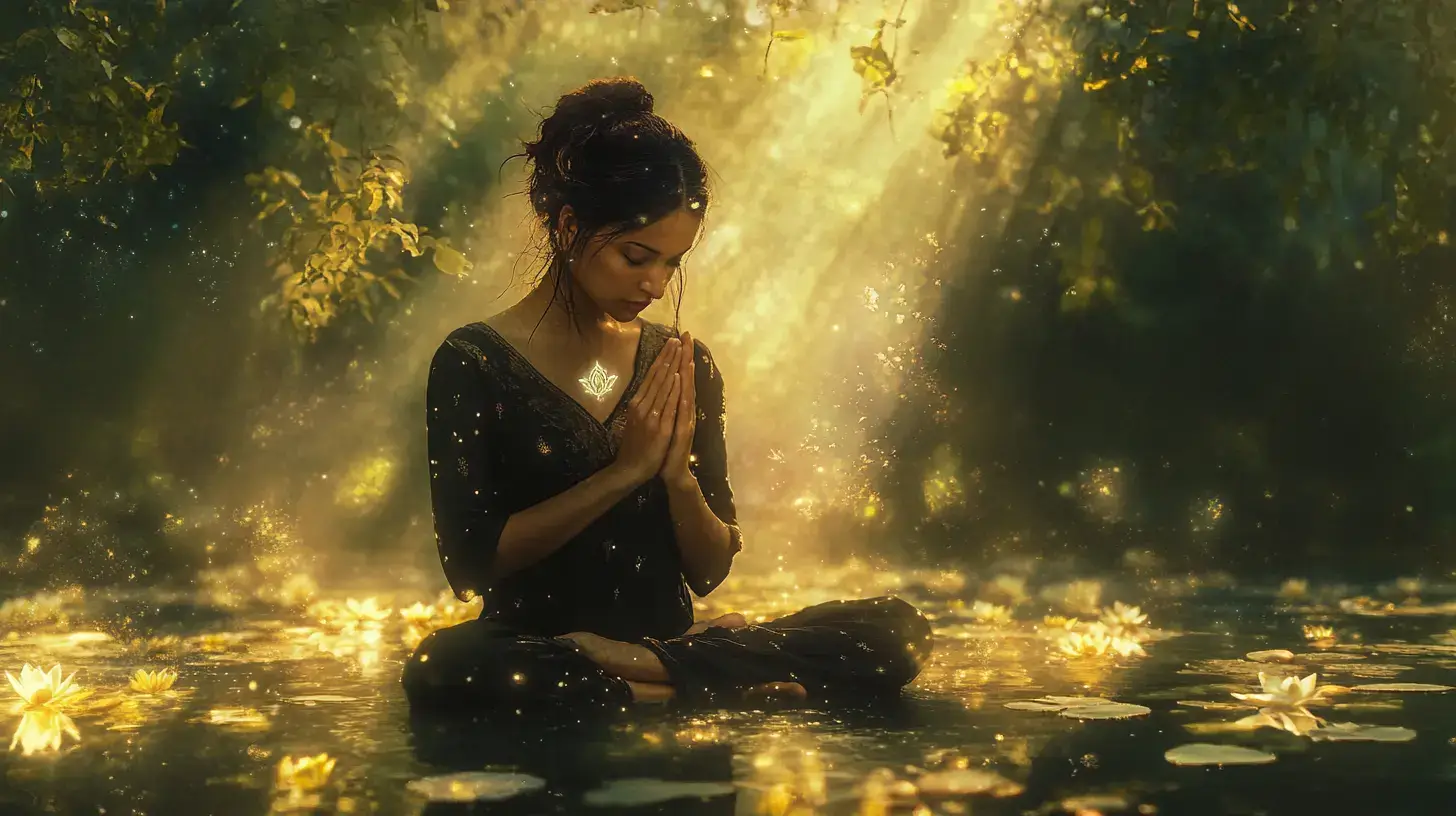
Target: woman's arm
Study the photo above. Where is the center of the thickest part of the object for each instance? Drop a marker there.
(704, 518)
(479, 540)
(540, 530)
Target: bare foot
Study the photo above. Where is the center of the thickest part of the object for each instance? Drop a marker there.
(777, 692)
(732, 620)
(651, 692)
(628, 661)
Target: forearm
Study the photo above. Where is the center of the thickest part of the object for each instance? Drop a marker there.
(705, 542)
(538, 531)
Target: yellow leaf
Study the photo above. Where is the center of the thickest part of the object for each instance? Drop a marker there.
(1193, 33)
(791, 34)
(449, 261)
(287, 98)
(241, 101)
(1094, 85)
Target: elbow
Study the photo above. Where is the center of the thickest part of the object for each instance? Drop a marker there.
(707, 580)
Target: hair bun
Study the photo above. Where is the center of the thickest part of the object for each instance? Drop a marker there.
(615, 99)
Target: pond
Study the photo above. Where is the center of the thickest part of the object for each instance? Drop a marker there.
(260, 696)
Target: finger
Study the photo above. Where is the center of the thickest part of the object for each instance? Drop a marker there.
(665, 410)
(656, 375)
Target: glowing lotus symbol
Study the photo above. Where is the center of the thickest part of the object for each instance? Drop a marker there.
(597, 382)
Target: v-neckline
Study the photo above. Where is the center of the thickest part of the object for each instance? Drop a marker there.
(551, 385)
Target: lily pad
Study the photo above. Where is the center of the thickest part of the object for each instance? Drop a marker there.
(1032, 705)
(1352, 732)
(640, 792)
(1397, 687)
(1329, 657)
(322, 698)
(966, 782)
(1068, 702)
(1109, 711)
(475, 786)
(1095, 802)
(1209, 705)
(1207, 753)
(1271, 656)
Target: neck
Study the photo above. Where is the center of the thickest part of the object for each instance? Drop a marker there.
(585, 322)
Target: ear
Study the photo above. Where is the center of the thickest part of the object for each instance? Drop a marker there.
(566, 227)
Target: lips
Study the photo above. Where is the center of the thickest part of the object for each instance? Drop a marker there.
(639, 305)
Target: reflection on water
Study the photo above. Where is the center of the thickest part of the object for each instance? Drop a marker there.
(302, 713)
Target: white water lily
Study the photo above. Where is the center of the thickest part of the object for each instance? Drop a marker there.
(38, 688)
(1279, 691)
(41, 729)
(1297, 721)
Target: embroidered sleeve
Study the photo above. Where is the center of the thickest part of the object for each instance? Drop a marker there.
(469, 513)
(710, 455)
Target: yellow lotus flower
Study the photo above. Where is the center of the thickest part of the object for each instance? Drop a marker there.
(304, 774)
(365, 613)
(1123, 619)
(1315, 633)
(38, 688)
(418, 615)
(1084, 644)
(1280, 692)
(153, 682)
(989, 613)
(1294, 588)
(1060, 622)
(41, 729)
(1127, 647)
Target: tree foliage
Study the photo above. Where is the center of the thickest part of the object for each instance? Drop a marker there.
(90, 103)
(1220, 274)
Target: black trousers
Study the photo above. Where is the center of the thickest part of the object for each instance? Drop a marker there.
(839, 651)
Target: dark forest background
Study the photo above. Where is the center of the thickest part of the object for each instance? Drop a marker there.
(1226, 269)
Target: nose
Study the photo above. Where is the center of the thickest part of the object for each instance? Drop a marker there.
(655, 284)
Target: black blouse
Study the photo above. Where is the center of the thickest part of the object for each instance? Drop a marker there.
(502, 438)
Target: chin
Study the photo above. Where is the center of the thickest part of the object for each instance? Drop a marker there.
(625, 314)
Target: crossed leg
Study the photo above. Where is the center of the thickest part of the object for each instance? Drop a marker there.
(648, 678)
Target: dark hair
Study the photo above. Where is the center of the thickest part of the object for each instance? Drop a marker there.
(618, 165)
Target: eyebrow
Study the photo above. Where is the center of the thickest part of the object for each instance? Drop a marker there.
(653, 250)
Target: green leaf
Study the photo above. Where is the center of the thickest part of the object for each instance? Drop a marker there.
(69, 38)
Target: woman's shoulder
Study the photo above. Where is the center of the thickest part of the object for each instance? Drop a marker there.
(475, 344)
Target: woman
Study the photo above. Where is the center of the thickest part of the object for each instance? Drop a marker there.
(578, 475)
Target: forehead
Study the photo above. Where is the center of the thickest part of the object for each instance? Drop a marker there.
(672, 235)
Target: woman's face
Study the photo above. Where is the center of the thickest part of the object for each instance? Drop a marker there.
(626, 274)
